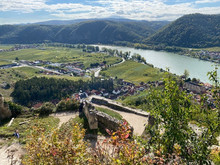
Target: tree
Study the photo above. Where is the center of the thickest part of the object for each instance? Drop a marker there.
(186, 73)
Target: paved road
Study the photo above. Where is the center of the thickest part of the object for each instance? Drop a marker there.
(99, 69)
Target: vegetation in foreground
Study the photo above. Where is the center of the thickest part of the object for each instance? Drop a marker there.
(133, 72)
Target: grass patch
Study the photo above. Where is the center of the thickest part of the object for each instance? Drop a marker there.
(133, 72)
(5, 46)
(25, 124)
(110, 113)
(213, 49)
(4, 62)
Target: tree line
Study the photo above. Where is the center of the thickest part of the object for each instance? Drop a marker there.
(43, 89)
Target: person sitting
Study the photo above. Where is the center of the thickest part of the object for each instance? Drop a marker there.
(16, 133)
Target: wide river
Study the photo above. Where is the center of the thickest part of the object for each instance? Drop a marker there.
(175, 62)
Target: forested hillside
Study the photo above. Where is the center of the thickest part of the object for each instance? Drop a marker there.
(88, 32)
(194, 30)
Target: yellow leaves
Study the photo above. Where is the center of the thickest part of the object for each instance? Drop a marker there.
(57, 147)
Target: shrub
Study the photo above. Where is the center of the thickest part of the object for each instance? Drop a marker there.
(15, 109)
(67, 105)
(56, 147)
(46, 109)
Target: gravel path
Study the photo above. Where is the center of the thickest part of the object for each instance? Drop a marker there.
(64, 116)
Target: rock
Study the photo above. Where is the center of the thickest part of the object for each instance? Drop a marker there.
(5, 113)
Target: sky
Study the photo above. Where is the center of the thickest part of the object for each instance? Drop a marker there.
(29, 11)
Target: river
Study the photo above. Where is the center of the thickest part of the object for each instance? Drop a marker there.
(175, 62)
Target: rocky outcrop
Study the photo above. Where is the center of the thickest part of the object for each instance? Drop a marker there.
(4, 109)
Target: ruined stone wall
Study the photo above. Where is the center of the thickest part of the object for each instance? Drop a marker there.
(107, 121)
(97, 118)
(91, 117)
(4, 110)
(117, 106)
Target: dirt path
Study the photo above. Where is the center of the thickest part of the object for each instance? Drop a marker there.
(136, 121)
(15, 151)
(64, 117)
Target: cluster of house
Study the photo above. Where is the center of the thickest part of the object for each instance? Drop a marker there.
(125, 89)
(19, 47)
(58, 68)
(196, 89)
(213, 55)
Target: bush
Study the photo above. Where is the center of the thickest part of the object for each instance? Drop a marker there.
(57, 147)
(46, 109)
(67, 105)
(15, 109)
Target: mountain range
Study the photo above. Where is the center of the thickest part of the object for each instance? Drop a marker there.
(194, 30)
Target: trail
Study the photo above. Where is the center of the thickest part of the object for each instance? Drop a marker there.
(64, 116)
(14, 150)
(136, 121)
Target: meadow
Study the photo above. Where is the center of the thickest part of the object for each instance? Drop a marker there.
(60, 55)
(4, 62)
(5, 46)
(133, 72)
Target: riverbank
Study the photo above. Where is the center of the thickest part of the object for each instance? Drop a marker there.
(197, 53)
(176, 63)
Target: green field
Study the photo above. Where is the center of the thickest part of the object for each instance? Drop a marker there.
(133, 72)
(6, 46)
(213, 49)
(4, 62)
(60, 55)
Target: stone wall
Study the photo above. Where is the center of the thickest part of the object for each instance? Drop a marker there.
(90, 115)
(106, 121)
(96, 118)
(117, 106)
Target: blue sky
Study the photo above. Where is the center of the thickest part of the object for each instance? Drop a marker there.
(28, 11)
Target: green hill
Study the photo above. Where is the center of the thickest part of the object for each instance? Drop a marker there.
(88, 32)
(194, 30)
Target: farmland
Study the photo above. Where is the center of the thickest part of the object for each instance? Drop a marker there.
(133, 72)
(59, 55)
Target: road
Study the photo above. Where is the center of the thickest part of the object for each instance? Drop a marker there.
(99, 69)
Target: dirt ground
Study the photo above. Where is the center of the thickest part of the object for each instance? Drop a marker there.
(64, 116)
(11, 154)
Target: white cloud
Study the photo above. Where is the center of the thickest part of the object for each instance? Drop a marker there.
(24, 6)
(207, 1)
(132, 9)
